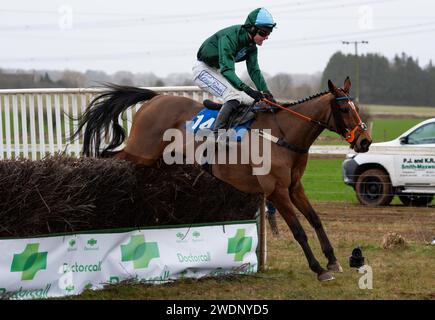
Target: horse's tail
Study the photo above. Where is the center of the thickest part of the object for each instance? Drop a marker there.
(103, 112)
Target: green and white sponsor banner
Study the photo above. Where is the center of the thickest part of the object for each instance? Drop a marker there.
(63, 265)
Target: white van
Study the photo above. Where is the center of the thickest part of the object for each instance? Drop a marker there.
(404, 166)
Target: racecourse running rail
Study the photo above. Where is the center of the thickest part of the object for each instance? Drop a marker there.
(38, 122)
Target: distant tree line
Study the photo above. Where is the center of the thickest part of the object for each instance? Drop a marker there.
(398, 82)
(15, 79)
(32, 80)
(284, 86)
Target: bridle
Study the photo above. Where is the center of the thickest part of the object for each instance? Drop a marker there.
(348, 134)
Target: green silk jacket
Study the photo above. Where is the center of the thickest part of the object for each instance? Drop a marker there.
(228, 46)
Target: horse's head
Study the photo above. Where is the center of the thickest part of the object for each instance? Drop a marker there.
(347, 120)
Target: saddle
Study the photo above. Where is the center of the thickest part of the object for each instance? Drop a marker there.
(238, 117)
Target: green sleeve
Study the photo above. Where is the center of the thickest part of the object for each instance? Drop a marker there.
(226, 62)
(255, 72)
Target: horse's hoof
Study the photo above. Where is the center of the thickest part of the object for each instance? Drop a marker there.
(273, 224)
(335, 267)
(325, 276)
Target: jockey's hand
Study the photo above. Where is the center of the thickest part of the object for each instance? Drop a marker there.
(254, 94)
(268, 95)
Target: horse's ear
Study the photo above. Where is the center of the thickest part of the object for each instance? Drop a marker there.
(331, 86)
(347, 85)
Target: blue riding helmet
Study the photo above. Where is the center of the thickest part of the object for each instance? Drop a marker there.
(260, 18)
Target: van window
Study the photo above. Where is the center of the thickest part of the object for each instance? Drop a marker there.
(423, 135)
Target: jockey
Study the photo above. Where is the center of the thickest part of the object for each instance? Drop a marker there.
(215, 73)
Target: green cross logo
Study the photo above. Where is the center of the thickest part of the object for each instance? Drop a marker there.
(92, 242)
(70, 288)
(29, 262)
(139, 251)
(196, 234)
(239, 244)
(180, 235)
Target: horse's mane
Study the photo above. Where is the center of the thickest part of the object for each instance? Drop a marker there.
(291, 104)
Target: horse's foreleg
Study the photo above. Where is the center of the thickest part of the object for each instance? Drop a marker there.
(280, 198)
(301, 202)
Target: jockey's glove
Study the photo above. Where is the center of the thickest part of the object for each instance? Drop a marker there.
(254, 94)
(268, 95)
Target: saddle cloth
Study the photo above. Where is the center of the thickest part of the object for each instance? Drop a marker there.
(206, 119)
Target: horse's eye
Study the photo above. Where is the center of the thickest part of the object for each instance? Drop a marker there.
(345, 109)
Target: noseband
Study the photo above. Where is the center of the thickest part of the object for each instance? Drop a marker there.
(348, 134)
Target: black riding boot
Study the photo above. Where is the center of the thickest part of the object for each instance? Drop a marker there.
(224, 114)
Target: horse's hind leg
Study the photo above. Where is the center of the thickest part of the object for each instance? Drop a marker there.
(280, 198)
(300, 200)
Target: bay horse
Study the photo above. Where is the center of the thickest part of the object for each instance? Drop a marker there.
(297, 125)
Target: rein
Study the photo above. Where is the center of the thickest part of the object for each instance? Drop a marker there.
(300, 115)
(349, 135)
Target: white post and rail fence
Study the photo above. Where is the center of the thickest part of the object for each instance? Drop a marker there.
(38, 122)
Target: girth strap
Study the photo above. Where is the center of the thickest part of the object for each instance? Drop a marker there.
(282, 143)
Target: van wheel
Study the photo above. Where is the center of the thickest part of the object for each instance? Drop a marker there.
(417, 200)
(373, 188)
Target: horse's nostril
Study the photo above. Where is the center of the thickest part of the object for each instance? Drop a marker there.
(365, 144)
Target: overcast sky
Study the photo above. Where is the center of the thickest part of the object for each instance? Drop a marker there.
(163, 36)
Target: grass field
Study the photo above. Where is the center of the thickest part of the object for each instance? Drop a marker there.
(388, 129)
(323, 181)
(415, 111)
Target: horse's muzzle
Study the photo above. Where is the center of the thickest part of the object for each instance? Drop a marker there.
(364, 145)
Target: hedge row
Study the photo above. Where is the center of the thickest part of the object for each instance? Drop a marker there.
(60, 194)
